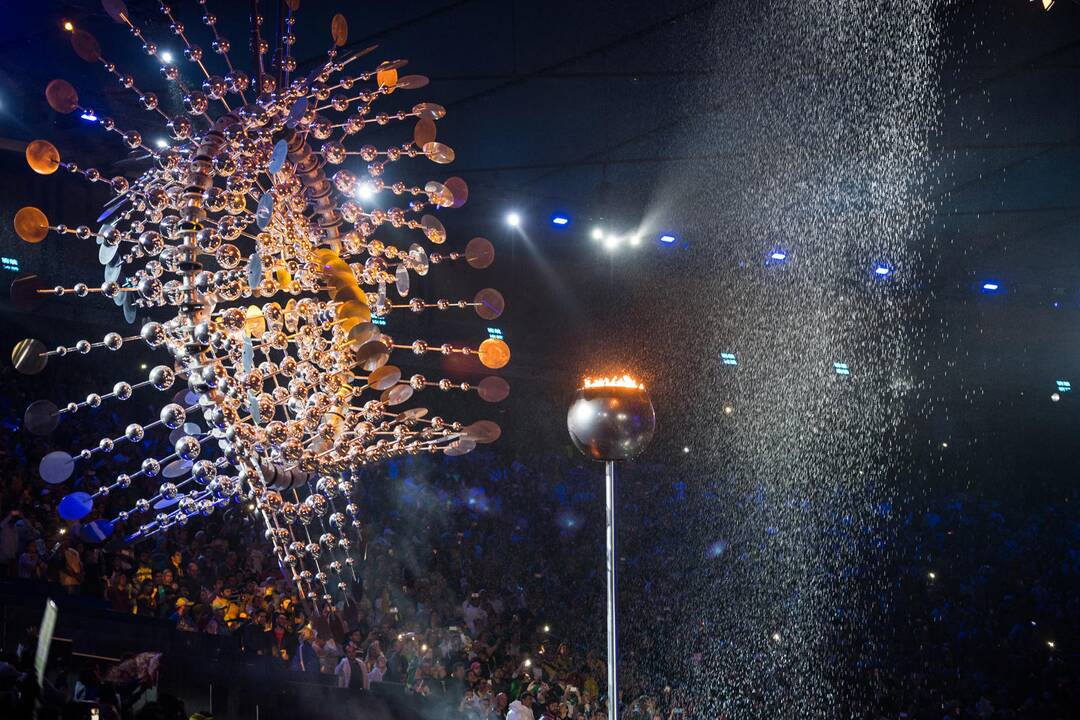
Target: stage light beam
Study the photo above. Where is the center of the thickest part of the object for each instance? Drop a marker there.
(513, 219)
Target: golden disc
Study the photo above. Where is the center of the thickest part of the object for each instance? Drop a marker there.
(339, 30)
(31, 224)
(439, 153)
(424, 132)
(494, 353)
(86, 46)
(42, 157)
(254, 321)
(61, 96)
(387, 78)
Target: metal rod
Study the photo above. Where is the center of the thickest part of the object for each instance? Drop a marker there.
(612, 595)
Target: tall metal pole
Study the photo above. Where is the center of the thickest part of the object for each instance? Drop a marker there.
(612, 595)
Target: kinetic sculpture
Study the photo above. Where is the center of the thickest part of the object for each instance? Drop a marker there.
(258, 263)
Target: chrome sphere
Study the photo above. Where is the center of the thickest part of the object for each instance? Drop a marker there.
(611, 423)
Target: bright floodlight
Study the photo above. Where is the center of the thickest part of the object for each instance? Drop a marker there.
(635, 239)
(778, 256)
(162, 143)
(667, 239)
(513, 219)
(882, 270)
(560, 220)
(991, 286)
(612, 242)
(597, 233)
(365, 191)
(166, 56)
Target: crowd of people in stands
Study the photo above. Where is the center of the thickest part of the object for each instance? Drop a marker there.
(481, 581)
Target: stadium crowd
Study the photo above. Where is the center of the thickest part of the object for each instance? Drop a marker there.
(480, 575)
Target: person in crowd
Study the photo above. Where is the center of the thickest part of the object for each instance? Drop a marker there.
(350, 671)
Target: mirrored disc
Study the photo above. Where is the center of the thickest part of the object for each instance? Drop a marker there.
(384, 378)
(438, 153)
(494, 353)
(247, 353)
(413, 414)
(489, 303)
(420, 257)
(296, 113)
(177, 468)
(254, 270)
(112, 270)
(434, 229)
(424, 132)
(96, 531)
(24, 292)
(86, 47)
(397, 394)
(106, 253)
(56, 467)
(412, 82)
(430, 111)
(31, 225)
(401, 280)
(459, 188)
(129, 307)
(43, 157)
(363, 333)
(75, 506)
(61, 96)
(41, 417)
(264, 211)
(460, 446)
(278, 156)
(339, 30)
(191, 428)
(28, 356)
(116, 9)
(479, 253)
(166, 502)
(482, 431)
(103, 232)
(372, 355)
(493, 389)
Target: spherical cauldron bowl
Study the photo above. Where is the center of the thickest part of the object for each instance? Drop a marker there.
(611, 422)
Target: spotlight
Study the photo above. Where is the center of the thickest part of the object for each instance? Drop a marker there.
(686, 449)
(69, 26)
(612, 241)
(667, 239)
(597, 233)
(931, 575)
(166, 57)
(1049, 643)
(991, 286)
(513, 219)
(635, 239)
(560, 220)
(778, 256)
(162, 143)
(547, 628)
(882, 270)
(142, 366)
(89, 115)
(365, 191)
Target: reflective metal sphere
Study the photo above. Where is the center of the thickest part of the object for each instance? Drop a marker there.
(611, 423)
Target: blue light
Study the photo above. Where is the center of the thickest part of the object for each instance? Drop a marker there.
(380, 321)
(882, 270)
(1064, 386)
(9, 263)
(728, 358)
(668, 239)
(89, 115)
(778, 256)
(841, 368)
(560, 220)
(990, 286)
(495, 333)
